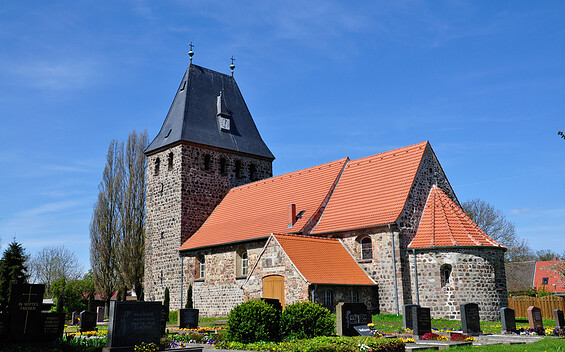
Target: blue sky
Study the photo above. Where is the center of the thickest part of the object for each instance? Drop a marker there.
(483, 81)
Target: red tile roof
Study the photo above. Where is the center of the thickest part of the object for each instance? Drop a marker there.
(323, 260)
(444, 224)
(373, 190)
(258, 209)
(543, 271)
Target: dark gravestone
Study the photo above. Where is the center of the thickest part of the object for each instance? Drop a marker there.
(349, 315)
(164, 318)
(507, 319)
(470, 319)
(407, 316)
(4, 326)
(74, 318)
(188, 318)
(132, 323)
(87, 321)
(25, 312)
(559, 320)
(53, 326)
(421, 320)
(273, 302)
(99, 313)
(534, 317)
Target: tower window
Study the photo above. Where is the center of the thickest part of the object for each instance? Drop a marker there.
(366, 248)
(157, 164)
(207, 161)
(170, 163)
(445, 272)
(223, 166)
(237, 168)
(252, 172)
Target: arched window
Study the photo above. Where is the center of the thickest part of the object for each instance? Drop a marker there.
(445, 272)
(170, 163)
(366, 248)
(201, 269)
(223, 166)
(252, 172)
(207, 162)
(238, 168)
(157, 164)
(241, 263)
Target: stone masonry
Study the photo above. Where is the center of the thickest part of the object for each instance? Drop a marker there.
(185, 182)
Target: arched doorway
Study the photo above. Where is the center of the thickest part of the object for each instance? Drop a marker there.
(273, 287)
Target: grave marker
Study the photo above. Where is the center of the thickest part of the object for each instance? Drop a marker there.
(53, 326)
(87, 321)
(349, 315)
(132, 323)
(25, 312)
(470, 319)
(421, 320)
(74, 317)
(188, 318)
(507, 319)
(534, 317)
(363, 330)
(99, 313)
(164, 318)
(407, 316)
(559, 320)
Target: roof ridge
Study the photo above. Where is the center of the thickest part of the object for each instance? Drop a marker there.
(387, 152)
(289, 174)
(309, 237)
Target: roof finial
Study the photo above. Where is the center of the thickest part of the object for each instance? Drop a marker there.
(232, 66)
(191, 53)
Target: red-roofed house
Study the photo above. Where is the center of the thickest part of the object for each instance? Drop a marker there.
(385, 230)
(547, 279)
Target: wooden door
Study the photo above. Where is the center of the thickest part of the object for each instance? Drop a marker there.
(273, 287)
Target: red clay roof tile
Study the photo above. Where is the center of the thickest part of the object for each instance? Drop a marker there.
(258, 209)
(444, 224)
(372, 191)
(323, 260)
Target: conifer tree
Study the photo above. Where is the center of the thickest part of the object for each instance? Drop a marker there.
(189, 302)
(13, 269)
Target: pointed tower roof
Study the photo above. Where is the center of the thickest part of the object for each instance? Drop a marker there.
(444, 224)
(204, 96)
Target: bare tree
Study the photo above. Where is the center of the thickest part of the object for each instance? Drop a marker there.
(105, 224)
(494, 223)
(131, 244)
(53, 263)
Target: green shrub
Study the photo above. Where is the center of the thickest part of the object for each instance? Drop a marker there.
(253, 321)
(173, 316)
(305, 320)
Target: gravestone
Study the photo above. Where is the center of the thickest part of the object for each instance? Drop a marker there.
(74, 317)
(273, 302)
(53, 326)
(99, 313)
(349, 315)
(407, 316)
(133, 322)
(164, 318)
(24, 309)
(188, 318)
(534, 317)
(470, 319)
(421, 320)
(559, 320)
(363, 330)
(507, 319)
(87, 321)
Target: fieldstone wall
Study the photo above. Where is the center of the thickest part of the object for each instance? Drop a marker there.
(477, 276)
(180, 197)
(274, 261)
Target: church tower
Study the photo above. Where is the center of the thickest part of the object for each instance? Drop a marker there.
(207, 145)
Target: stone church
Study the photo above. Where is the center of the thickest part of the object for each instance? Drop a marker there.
(386, 230)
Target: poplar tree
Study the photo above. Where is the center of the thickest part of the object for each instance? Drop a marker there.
(105, 224)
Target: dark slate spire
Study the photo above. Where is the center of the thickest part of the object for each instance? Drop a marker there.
(204, 97)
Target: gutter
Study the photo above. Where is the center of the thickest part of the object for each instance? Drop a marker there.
(222, 244)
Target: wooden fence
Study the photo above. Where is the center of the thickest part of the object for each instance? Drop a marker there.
(547, 304)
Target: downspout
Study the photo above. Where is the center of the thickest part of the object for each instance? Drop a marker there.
(416, 276)
(394, 270)
(313, 292)
(181, 279)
